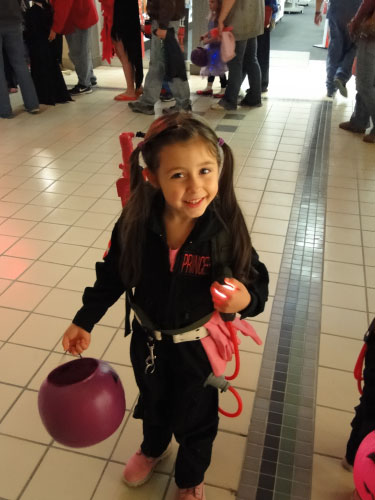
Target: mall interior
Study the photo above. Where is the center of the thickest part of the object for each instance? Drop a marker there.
(307, 191)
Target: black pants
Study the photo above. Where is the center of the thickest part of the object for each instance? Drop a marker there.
(223, 80)
(173, 401)
(364, 420)
(263, 55)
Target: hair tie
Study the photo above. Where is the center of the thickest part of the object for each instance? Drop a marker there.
(220, 141)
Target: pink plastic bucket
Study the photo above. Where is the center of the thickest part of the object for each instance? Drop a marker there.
(82, 402)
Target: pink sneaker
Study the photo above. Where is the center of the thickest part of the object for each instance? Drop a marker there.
(196, 493)
(139, 468)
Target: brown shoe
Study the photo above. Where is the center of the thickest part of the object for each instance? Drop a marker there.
(369, 138)
(351, 128)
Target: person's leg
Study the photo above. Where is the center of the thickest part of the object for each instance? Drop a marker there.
(13, 44)
(344, 70)
(208, 89)
(334, 55)
(154, 77)
(80, 55)
(223, 81)
(154, 404)
(180, 88)
(229, 101)
(154, 407)
(126, 66)
(5, 107)
(58, 47)
(366, 77)
(252, 69)
(360, 119)
(263, 56)
(223, 84)
(195, 413)
(9, 75)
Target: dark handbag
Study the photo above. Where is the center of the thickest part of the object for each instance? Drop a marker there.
(267, 15)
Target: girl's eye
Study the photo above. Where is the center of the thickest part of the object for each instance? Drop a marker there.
(205, 171)
(178, 175)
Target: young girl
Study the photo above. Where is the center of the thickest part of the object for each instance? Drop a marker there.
(163, 247)
(216, 67)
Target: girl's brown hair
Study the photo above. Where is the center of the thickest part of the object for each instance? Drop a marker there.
(165, 131)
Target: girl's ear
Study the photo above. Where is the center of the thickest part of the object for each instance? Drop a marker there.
(151, 177)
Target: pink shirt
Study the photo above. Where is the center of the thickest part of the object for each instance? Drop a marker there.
(172, 258)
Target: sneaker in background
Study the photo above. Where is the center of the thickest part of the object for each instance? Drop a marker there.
(341, 87)
(205, 92)
(80, 90)
(166, 95)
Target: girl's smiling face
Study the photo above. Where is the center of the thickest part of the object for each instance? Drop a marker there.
(188, 176)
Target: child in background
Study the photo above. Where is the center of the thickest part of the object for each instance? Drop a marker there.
(162, 246)
(45, 69)
(216, 67)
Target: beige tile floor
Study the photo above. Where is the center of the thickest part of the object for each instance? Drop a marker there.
(58, 203)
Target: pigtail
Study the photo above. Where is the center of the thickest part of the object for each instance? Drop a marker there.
(231, 214)
(133, 222)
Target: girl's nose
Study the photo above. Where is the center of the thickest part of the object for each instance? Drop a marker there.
(194, 183)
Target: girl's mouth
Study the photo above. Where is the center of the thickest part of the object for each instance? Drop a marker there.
(194, 203)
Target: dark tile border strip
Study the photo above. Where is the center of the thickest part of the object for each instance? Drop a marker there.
(279, 453)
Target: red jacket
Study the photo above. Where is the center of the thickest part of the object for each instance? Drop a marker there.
(71, 14)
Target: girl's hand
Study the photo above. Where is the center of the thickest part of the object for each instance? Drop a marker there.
(75, 340)
(52, 35)
(230, 297)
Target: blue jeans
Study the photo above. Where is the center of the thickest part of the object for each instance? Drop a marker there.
(341, 53)
(11, 40)
(156, 72)
(365, 83)
(80, 55)
(244, 63)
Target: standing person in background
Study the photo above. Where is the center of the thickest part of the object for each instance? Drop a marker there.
(341, 48)
(165, 18)
(215, 66)
(263, 43)
(365, 79)
(126, 37)
(45, 69)
(11, 41)
(73, 18)
(247, 19)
